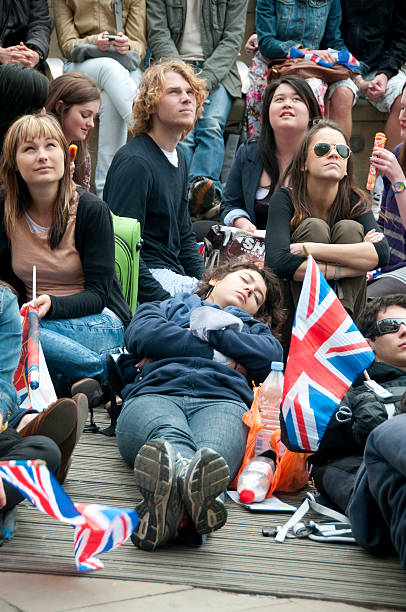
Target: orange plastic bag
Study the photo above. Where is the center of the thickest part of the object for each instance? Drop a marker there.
(291, 473)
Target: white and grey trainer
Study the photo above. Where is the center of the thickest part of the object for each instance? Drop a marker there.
(161, 508)
(201, 480)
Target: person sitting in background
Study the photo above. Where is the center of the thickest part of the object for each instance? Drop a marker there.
(312, 27)
(289, 108)
(148, 179)
(392, 217)
(68, 234)
(94, 22)
(183, 403)
(22, 91)
(25, 31)
(208, 36)
(324, 214)
(375, 33)
(75, 100)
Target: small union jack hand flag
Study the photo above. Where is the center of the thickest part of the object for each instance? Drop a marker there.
(98, 529)
(327, 352)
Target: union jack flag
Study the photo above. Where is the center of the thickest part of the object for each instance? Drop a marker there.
(327, 352)
(98, 528)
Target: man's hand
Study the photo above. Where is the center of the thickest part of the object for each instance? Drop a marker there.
(377, 87)
(42, 302)
(251, 46)
(245, 224)
(121, 44)
(19, 54)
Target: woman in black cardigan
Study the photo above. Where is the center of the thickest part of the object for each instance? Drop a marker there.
(68, 234)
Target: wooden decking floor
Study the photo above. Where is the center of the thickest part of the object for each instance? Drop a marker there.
(236, 558)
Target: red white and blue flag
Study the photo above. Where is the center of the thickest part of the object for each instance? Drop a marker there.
(98, 528)
(327, 352)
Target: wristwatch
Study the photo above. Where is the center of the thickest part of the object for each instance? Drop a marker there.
(399, 187)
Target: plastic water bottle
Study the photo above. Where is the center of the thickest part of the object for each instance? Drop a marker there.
(255, 479)
(269, 401)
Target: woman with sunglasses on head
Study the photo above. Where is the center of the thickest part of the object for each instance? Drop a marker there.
(288, 111)
(392, 217)
(46, 220)
(324, 214)
(75, 100)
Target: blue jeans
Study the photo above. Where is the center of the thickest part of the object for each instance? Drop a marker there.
(119, 88)
(10, 349)
(204, 145)
(188, 423)
(73, 347)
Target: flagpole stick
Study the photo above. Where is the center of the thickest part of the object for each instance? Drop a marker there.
(305, 251)
(34, 282)
(366, 375)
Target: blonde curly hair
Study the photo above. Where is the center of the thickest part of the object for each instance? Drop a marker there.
(152, 88)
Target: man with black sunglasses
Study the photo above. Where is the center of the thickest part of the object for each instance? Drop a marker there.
(370, 486)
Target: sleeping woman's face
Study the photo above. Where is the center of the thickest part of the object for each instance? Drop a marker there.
(40, 161)
(327, 155)
(244, 288)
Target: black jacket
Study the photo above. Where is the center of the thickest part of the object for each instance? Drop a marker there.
(143, 184)
(34, 28)
(95, 244)
(374, 32)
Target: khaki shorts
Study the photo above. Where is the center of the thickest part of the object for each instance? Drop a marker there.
(384, 104)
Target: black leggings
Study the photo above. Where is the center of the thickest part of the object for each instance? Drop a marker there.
(13, 446)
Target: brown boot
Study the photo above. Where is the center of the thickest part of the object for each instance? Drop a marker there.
(57, 422)
(63, 422)
(68, 445)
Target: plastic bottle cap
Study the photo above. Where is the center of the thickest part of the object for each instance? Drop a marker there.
(277, 365)
(247, 496)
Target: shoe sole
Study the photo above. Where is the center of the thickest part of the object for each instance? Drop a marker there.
(202, 199)
(89, 387)
(154, 471)
(67, 449)
(207, 477)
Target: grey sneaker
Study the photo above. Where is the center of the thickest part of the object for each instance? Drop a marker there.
(161, 509)
(201, 480)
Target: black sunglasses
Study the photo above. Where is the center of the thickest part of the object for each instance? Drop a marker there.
(322, 148)
(385, 326)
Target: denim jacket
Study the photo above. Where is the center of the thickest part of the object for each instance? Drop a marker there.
(222, 30)
(282, 24)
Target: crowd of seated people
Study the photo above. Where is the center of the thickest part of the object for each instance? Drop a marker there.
(198, 337)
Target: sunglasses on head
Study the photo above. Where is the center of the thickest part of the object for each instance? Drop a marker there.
(323, 148)
(385, 326)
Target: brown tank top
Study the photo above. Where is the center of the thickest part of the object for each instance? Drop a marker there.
(59, 271)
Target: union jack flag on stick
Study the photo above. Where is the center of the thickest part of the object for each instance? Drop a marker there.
(98, 528)
(327, 352)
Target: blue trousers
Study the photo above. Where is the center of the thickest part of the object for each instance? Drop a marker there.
(188, 423)
(73, 347)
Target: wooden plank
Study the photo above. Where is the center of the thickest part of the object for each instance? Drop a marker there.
(236, 558)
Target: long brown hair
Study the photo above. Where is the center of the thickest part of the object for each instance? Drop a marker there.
(342, 207)
(271, 312)
(18, 198)
(70, 89)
